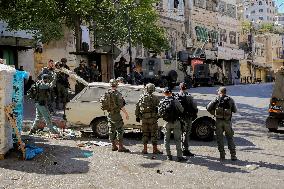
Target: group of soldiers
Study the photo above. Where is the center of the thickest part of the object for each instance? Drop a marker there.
(177, 110)
(51, 86)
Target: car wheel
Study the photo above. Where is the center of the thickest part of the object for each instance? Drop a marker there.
(100, 128)
(202, 129)
(272, 124)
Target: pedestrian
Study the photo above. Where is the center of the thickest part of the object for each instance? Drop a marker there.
(120, 68)
(222, 108)
(83, 73)
(147, 111)
(28, 84)
(41, 97)
(189, 113)
(64, 63)
(120, 80)
(62, 86)
(113, 102)
(94, 72)
(171, 110)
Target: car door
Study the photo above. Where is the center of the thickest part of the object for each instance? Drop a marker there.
(85, 106)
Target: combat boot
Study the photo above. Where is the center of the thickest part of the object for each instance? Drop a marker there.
(114, 147)
(144, 151)
(222, 156)
(180, 159)
(234, 158)
(169, 157)
(188, 153)
(121, 148)
(156, 150)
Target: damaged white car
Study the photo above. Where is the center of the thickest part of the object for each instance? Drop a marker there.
(85, 110)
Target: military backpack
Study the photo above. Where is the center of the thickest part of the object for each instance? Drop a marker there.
(189, 109)
(168, 110)
(146, 104)
(110, 101)
(223, 108)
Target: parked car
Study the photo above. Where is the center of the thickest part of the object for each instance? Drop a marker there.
(85, 110)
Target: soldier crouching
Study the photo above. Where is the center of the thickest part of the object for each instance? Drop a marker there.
(147, 110)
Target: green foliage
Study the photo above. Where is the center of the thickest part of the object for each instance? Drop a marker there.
(46, 19)
(265, 28)
(246, 27)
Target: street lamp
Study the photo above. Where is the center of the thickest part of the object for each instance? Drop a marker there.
(127, 7)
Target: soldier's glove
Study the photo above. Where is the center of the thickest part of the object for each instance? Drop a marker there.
(138, 119)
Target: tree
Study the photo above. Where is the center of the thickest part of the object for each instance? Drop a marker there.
(46, 18)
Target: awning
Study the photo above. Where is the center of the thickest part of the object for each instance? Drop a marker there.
(20, 43)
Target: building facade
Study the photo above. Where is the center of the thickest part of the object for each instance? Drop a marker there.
(16, 48)
(260, 11)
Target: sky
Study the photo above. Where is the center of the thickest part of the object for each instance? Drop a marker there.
(279, 2)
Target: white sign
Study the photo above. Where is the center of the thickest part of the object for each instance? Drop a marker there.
(229, 53)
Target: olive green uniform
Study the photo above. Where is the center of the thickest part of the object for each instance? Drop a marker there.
(224, 124)
(115, 121)
(149, 117)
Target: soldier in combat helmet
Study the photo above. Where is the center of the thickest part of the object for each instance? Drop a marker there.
(113, 102)
(147, 111)
(222, 107)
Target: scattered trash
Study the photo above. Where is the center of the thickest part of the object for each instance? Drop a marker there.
(96, 143)
(154, 157)
(55, 163)
(32, 151)
(159, 172)
(252, 167)
(88, 154)
(165, 173)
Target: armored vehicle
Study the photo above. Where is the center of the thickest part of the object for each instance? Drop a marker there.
(207, 74)
(163, 72)
(276, 107)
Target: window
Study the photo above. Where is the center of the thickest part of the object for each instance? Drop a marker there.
(247, 16)
(260, 10)
(252, 12)
(260, 2)
(231, 10)
(261, 18)
(222, 7)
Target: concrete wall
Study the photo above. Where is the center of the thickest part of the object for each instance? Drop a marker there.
(26, 59)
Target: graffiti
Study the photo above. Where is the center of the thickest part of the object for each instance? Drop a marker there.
(204, 35)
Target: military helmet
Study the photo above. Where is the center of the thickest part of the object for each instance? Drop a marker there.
(44, 76)
(222, 90)
(113, 83)
(150, 88)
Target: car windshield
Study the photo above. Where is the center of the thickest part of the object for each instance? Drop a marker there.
(92, 94)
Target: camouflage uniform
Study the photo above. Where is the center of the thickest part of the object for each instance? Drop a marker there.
(115, 121)
(187, 124)
(174, 126)
(146, 109)
(224, 124)
(41, 100)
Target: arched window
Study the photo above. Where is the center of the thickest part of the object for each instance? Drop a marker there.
(260, 2)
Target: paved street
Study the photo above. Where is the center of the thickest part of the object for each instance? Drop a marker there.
(65, 165)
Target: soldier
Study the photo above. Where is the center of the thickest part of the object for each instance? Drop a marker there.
(49, 70)
(170, 110)
(222, 107)
(113, 102)
(190, 111)
(43, 87)
(147, 111)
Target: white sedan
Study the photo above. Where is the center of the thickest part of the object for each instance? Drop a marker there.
(85, 110)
